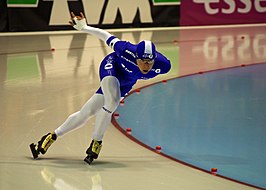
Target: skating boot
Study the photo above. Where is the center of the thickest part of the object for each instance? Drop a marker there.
(43, 145)
(93, 151)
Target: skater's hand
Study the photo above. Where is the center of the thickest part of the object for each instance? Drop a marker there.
(78, 22)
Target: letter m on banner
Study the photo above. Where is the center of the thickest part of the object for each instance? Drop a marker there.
(22, 3)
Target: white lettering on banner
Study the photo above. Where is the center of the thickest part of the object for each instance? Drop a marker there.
(230, 48)
(60, 13)
(258, 6)
(247, 8)
(128, 10)
(232, 6)
(207, 5)
(93, 10)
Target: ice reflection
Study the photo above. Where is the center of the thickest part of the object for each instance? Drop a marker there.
(62, 182)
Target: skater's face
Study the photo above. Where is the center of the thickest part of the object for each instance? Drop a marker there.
(145, 65)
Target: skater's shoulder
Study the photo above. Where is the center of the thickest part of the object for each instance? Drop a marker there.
(161, 62)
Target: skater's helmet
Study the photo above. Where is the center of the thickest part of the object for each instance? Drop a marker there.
(146, 50)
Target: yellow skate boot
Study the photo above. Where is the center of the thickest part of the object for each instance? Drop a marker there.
(43, 144)
(93, 151)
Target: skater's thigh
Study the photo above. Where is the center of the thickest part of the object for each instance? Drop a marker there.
(94, 104)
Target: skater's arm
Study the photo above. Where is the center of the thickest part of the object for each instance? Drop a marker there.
(97, 32)
(79, 23)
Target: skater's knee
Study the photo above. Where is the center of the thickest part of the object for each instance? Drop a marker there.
(112, 104)
(111, 91)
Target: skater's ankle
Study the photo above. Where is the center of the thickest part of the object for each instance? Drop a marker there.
(98, 141)
(54, 135)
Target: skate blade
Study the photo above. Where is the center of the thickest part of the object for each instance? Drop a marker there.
(88, 160)
(34, 151)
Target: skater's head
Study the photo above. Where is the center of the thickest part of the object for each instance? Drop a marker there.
(146, 53)
(146, 50)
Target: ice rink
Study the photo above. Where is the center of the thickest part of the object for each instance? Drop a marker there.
(45, 77)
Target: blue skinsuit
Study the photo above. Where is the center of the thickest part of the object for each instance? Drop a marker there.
(123, 65)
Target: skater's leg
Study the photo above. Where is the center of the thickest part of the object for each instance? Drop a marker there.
(74, 121)
(79, 119)
(111, 91)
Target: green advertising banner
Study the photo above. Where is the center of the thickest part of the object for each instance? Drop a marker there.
(166, 2)
(22, 3)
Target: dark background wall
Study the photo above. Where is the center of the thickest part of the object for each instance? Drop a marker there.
(42, 15)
